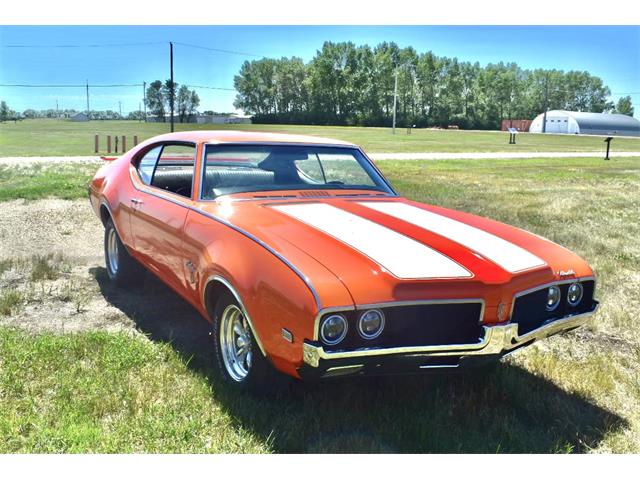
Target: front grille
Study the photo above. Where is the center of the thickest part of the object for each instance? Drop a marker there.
(530, 313)
(419, 325)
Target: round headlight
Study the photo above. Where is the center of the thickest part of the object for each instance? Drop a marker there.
(574, 295)
(333, 329)
(553, 298)
(371, 324)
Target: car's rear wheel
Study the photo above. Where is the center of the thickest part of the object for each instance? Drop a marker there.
(240, 362)
(122, 269)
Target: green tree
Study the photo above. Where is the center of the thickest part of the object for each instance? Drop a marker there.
(4, 111)
(255, 84)
(156, 100)
(624, 106)
(169, 92)
(183, 101)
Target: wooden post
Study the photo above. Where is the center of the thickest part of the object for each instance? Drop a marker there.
(108, 143)
(124, 143)
(96, 142)
(116, 141)
(135, 140)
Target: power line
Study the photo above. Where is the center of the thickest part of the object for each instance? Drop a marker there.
(211, 88)
(232, 52)
(85, 46)
(83, 85)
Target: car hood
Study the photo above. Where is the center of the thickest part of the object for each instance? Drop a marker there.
(391, 248)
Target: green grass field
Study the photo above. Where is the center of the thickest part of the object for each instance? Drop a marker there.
(580, 392)
(58, 137)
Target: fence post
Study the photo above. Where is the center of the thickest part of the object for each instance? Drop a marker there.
(124, 143)
(135, 140)
(108, 143)
(116, 141)
(96, 141)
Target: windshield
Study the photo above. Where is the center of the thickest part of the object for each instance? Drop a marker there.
(257, 168)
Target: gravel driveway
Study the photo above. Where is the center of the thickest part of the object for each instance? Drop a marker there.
(80, 297)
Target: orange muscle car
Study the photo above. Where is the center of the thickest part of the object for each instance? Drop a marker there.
(304, 259)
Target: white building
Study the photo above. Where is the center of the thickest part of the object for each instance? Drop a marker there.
(562, 121)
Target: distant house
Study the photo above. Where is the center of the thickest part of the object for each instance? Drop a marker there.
(80, 117)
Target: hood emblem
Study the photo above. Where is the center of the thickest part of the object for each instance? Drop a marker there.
(566, 273)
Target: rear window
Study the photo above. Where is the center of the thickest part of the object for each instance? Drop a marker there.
(246, 168)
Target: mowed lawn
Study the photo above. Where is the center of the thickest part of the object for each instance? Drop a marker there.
(44, 137)
(580, 392)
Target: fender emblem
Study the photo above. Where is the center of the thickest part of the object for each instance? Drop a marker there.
(193, 272)
(566, 273)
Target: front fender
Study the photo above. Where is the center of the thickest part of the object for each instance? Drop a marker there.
(273, 294)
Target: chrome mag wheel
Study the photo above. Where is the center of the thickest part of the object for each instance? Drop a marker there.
(235, 343)
(112, 251)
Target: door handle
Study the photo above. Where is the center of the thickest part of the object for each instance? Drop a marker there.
(136, 201)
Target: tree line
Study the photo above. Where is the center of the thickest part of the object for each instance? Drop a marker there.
(345, 84)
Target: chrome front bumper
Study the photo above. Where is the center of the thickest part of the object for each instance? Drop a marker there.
(498, 340)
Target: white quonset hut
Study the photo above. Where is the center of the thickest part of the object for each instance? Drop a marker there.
(562, 121)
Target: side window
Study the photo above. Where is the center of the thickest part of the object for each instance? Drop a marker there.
(148, 163)
(174, 171)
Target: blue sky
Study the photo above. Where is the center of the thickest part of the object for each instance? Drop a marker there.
(611, 52)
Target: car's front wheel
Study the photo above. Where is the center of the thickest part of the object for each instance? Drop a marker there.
(122, 269)
(240, 362)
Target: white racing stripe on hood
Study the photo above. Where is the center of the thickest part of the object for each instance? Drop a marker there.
(507, 255)
(399, 254)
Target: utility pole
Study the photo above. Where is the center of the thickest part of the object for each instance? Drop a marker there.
(395, 98)
(57, 109)
(120, 108)
(144, 99)
(546, 101)
(88, 110)
(139, 110)
(172, 85)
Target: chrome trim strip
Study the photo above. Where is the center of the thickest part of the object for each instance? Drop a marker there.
(549, 284)
(277, 199)
(429, 367)
(226, 283)
(379, 172)
(342, 370)
(498, 340)
(301, 275)
(400, 303)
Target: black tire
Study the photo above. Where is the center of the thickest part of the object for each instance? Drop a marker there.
(257, 375)
(122, 268)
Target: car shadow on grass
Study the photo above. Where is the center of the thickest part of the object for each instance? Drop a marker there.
(506, 410)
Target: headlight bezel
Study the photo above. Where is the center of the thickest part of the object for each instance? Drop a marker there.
(342, 336)
(556, 303)
(361, 331)
(580, 297)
